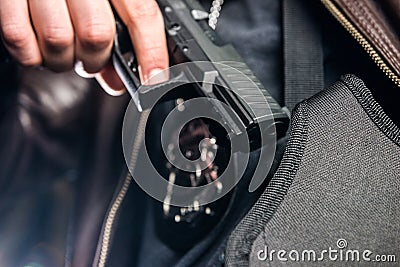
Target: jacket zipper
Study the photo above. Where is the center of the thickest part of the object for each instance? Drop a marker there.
(361, 40)
(116, 204)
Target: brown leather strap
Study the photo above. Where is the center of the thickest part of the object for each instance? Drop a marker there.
(376, 24)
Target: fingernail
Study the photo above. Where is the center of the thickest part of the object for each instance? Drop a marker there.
(156, 76)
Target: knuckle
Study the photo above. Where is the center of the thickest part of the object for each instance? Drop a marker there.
(143, 9)
(15, 35)
(148, 47)
(30, 61)
(154, 50)
(58, 38)
(97, 36)
(16, 38)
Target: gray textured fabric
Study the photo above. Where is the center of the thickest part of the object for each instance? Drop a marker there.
(338, 180)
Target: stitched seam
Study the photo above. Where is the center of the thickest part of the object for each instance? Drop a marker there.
(363, 14)
(379, 32)
(372, 108)
(274, 194)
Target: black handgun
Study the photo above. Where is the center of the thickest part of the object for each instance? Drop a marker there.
(190, 39)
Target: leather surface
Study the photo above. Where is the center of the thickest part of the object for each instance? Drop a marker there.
(60, 145)
(393, 9)
(378, 21)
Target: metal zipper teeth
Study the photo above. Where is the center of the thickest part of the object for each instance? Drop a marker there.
(107, 233)
(362, 41)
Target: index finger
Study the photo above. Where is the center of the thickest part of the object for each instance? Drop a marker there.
(146, 28)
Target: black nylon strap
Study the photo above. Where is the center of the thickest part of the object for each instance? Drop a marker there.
(303, 57)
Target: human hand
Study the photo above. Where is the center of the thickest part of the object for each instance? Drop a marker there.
(57, 33)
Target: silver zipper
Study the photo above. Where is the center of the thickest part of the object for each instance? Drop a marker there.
(110, 219)
(362, 41)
